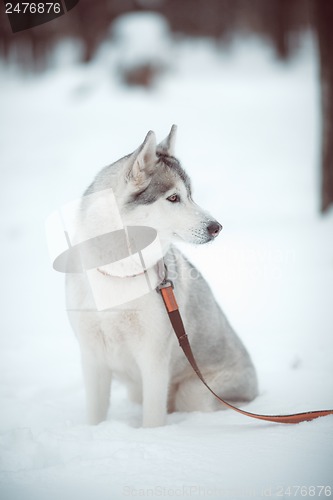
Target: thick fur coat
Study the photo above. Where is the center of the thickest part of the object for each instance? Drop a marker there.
(134, 341)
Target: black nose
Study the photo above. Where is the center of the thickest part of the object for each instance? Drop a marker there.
(214, 229)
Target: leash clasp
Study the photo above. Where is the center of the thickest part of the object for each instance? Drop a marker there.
(165, 288)
(166, 283)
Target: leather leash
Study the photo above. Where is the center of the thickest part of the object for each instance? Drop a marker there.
(166, 290)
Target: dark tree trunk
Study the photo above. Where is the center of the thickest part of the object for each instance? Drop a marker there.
(323, 11)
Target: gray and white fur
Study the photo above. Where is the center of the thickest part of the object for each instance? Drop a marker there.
(135, 342)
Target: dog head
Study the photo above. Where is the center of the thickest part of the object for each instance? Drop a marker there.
(154, 190)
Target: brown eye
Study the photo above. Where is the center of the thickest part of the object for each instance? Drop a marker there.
(174, 198)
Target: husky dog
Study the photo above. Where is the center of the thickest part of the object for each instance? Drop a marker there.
(135, 342)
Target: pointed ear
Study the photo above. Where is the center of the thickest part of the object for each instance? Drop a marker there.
(143, 162)
(167, 146)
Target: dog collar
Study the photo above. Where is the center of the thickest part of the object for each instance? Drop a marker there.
(161, 269)
(105, 273)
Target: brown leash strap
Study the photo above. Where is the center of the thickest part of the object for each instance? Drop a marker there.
(166, 289)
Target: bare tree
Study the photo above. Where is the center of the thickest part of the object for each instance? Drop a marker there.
(323, 19)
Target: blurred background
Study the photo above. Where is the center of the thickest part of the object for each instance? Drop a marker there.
(250, 85)
(141, 46)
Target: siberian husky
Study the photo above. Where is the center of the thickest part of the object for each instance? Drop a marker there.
(135, 341)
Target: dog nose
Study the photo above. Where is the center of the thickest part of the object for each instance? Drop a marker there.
(214, 229)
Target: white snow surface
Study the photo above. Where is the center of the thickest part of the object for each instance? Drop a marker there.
(249, 130)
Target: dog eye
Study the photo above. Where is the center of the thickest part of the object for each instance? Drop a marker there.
(174, 198)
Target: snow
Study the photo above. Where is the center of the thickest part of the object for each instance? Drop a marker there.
(249, 137)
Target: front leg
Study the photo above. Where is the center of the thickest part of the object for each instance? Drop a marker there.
(153, 356)
(155, 381)
(97, 378)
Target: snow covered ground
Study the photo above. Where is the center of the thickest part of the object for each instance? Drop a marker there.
(249, 138)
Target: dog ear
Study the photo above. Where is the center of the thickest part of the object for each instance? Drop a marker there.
(167, 147)
(143, 162)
